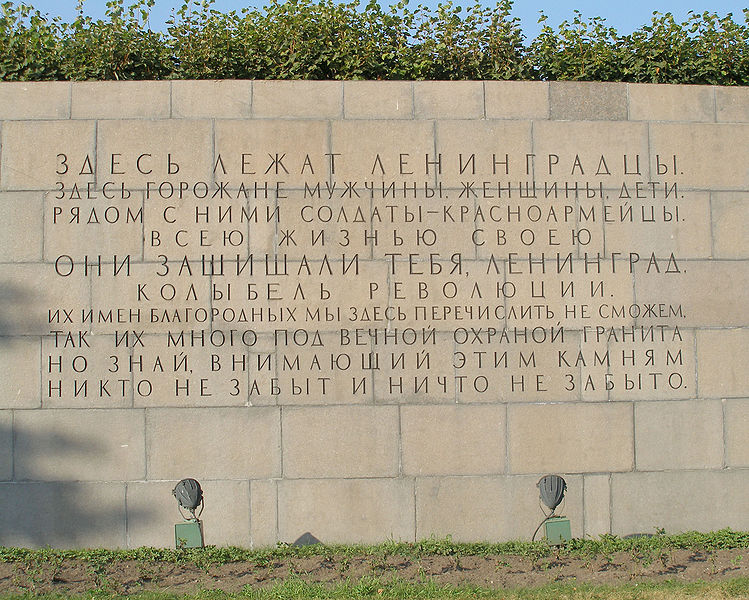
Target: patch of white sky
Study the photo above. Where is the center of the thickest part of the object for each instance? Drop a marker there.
(623, 15)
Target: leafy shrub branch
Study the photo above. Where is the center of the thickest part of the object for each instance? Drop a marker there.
(305, 39)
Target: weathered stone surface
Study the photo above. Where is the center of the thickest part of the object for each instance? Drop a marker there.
(20, 359)
(730, 218)
(263, 513)
(34, 100)
(211, 99)
(642, 502)
(501, 99)
(451, 100)
(30, 291)
(80, 445)
(687, 235)
(63, 514)
(346, 510)
(343, 441)
(736, 415)
(21, 222)
(721, 363)
(678, 435)
(710, 293)
(578, 438)
(30, 154)
(157, 148)
(693, 103)
(588, 101)
(732, 104)
(6, 443)
(120, 99)
(597, 504)
(708, 155)
(441, 440)
(297, 99)
(224, 443)
(378, 100)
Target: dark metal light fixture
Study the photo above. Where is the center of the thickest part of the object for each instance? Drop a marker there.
(189, 497)
(551, 493)
(552, 488)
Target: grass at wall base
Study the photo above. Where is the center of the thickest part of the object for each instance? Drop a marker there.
(703, 565)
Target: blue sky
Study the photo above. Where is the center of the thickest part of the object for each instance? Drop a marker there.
(624, 15)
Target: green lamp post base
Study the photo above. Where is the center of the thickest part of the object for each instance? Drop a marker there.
(558, 530)
(188, 535)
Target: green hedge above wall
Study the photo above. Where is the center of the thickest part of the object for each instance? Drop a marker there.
(301, 39)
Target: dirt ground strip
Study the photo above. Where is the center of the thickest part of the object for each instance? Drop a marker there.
(498, 571)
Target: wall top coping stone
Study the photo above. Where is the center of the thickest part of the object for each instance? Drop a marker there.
(370, 100)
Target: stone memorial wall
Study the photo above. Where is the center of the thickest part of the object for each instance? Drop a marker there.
(371, 310)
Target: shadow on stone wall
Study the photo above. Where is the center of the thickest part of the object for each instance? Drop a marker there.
(54, 490)
(15, 316)
(38, 510)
